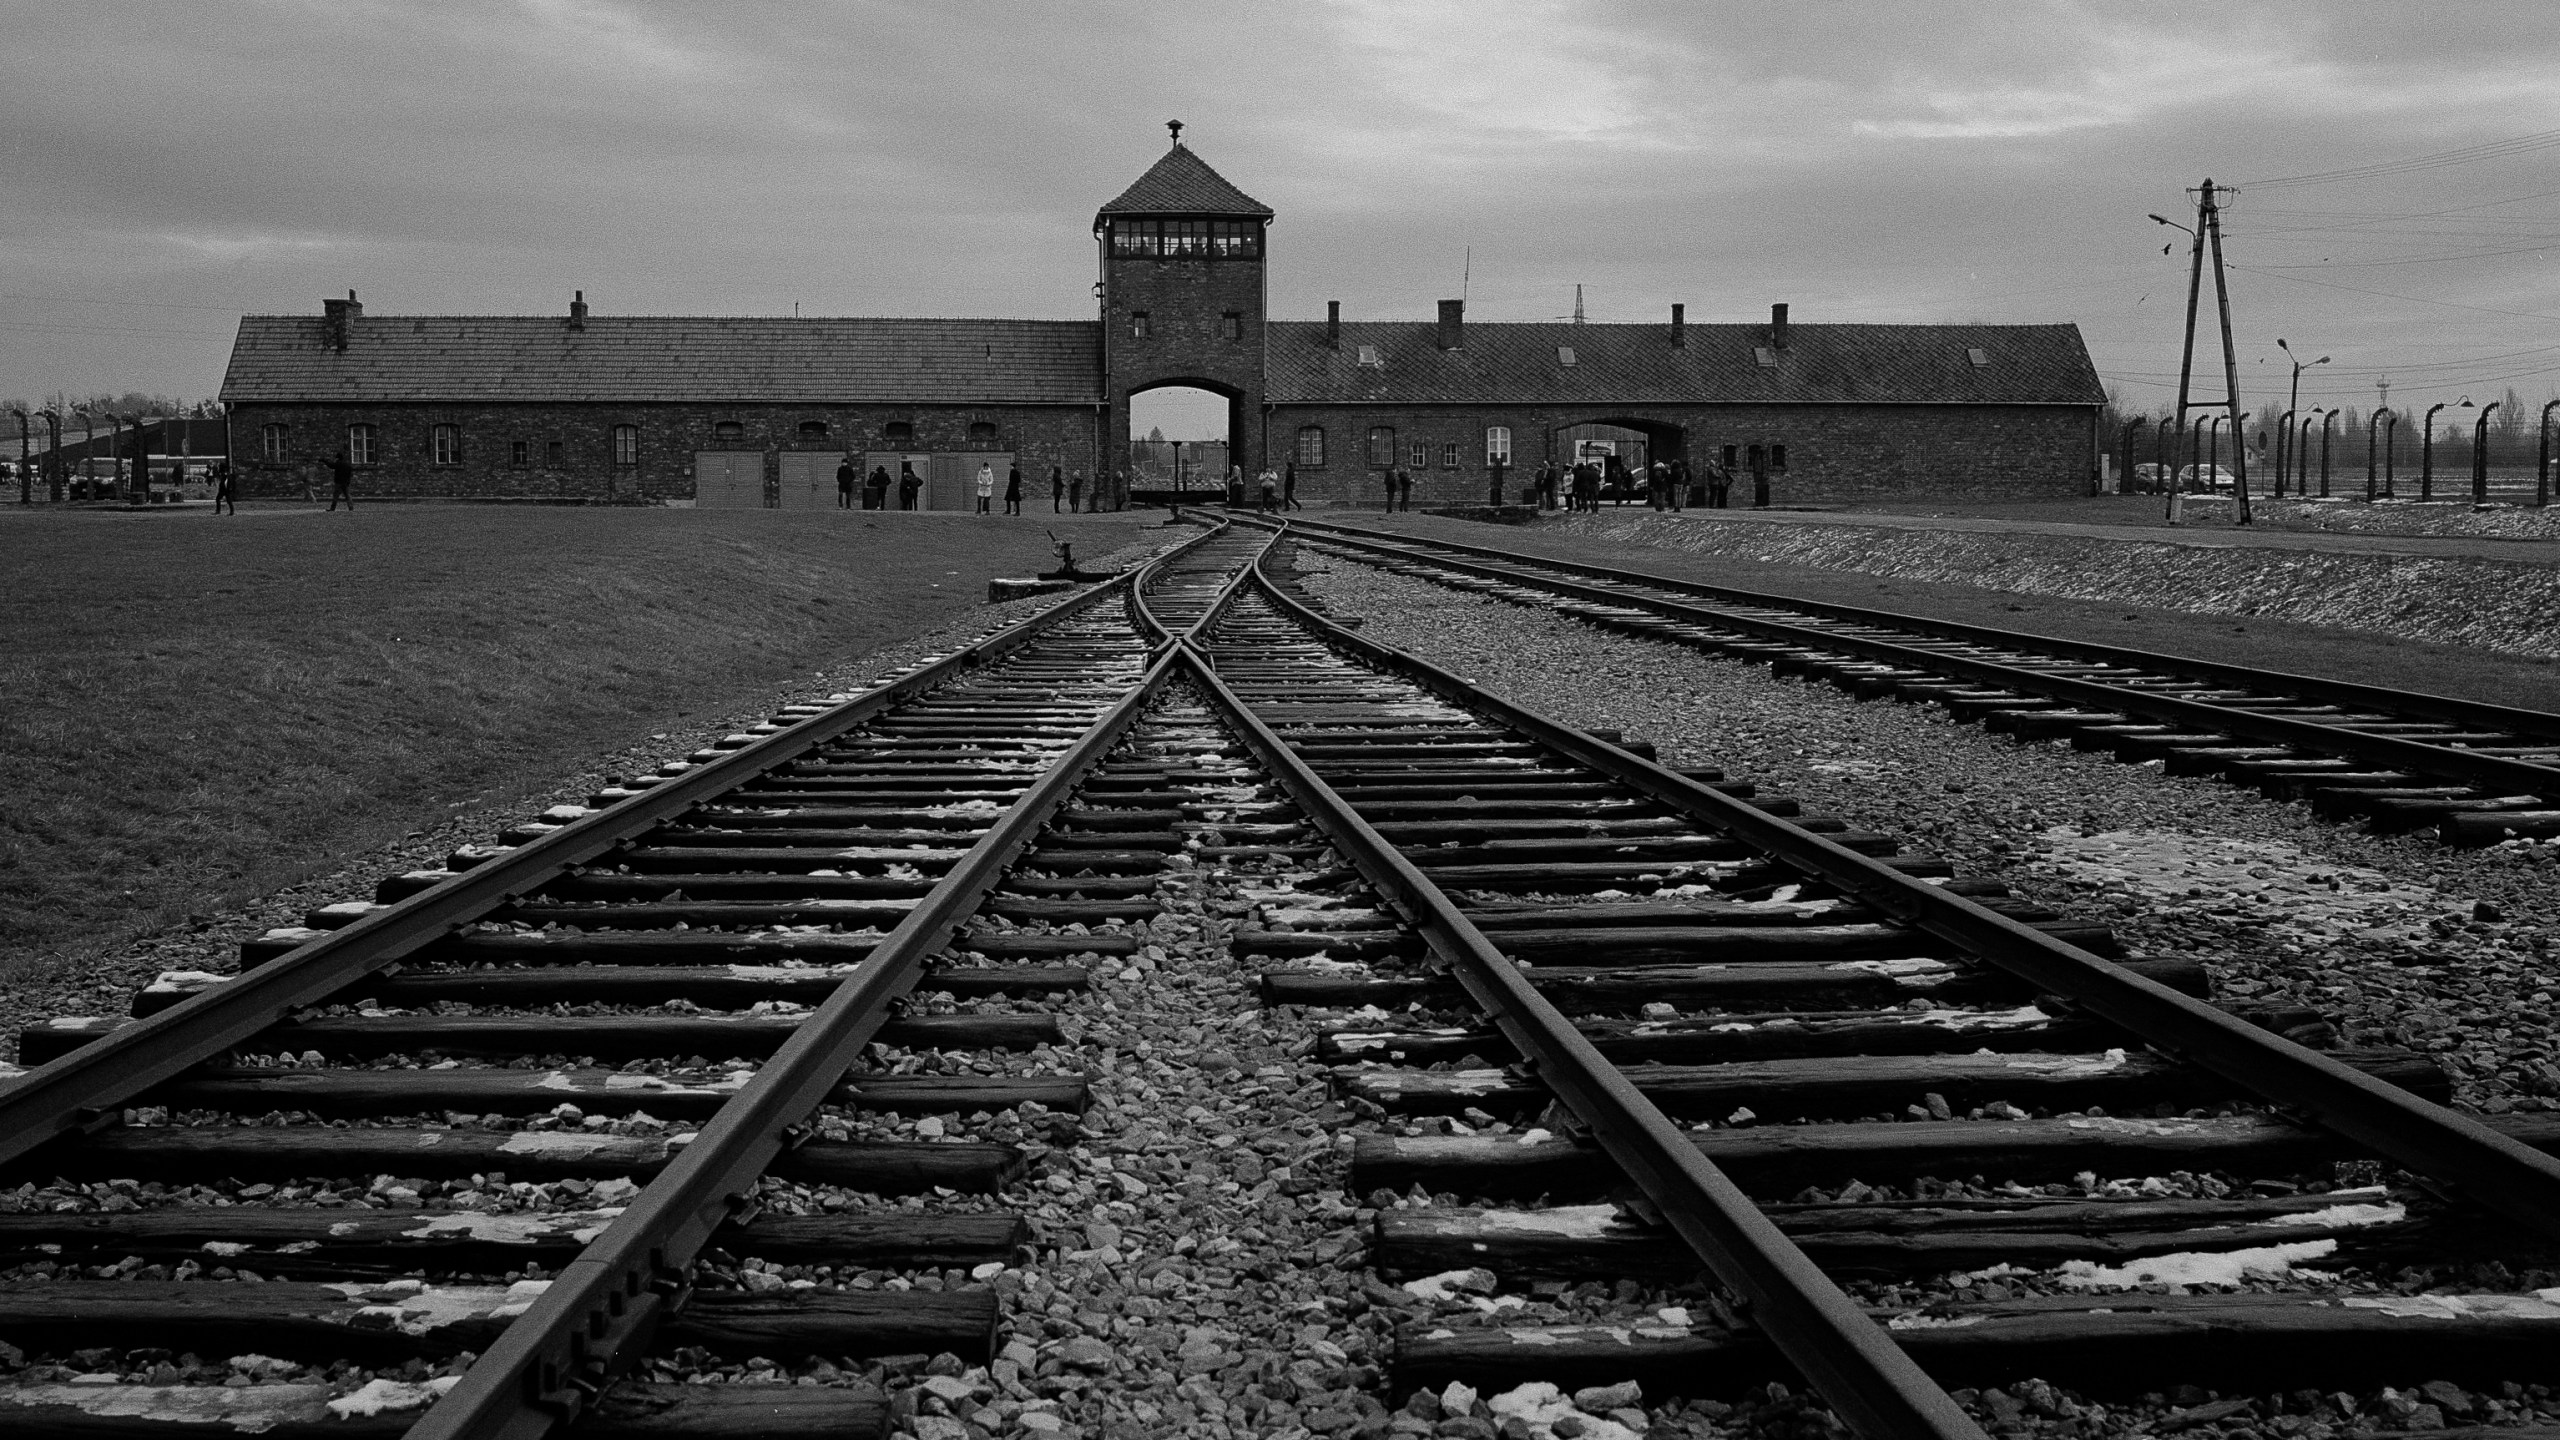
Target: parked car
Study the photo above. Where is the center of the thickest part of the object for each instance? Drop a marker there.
(2148, 475)
(2192, 479)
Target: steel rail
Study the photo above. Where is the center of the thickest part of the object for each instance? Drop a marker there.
(2509, 776)
(86, 1089)
(2493, 1170)
(1850, 1360)
(595, 1319)
(2448, 708)
(599, 1314)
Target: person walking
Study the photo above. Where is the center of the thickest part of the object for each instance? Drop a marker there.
(1679, 484)
(1289, 487)
(1057, 488)
(223, 491)
(1075, 492)
(845, 476)
(986, 486)
(908, 484)
(1013, 489)
(342, 479)
(875, 488)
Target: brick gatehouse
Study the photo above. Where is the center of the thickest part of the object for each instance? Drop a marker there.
(755, 411)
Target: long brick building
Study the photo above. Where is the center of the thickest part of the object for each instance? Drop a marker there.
(758, 411)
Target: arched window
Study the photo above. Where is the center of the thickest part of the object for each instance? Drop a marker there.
(1310, 447)
(728, 432)
(1382, 445)
(271, 442)
(899, 432)
(813, 429)
(1497, 445)
(982, 432)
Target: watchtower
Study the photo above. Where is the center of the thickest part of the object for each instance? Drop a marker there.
(1183, 296)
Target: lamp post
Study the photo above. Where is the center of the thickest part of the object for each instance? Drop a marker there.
(2294, 399)
(2542, 460)
(2370, 422)
(2427, 450)
(2480, 456)
(2284, 439)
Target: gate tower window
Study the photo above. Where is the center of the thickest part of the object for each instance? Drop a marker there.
(1232, 324)
(1140, 327)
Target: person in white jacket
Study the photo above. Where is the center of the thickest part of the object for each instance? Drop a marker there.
(986, 485)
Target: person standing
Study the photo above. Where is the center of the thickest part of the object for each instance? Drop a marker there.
(1719, 486)
(1075, 492)
(1495, 470)
(342, 479)
(844, 483)
(1057, 488)
(223, 491)
(1289, 487)
(1119, 491)
(1404, 488)
(986, 486)
(1658, 484)
(1270, 484)
(1013, 489)
(908, 484)
(875, 489)
(1679, 484)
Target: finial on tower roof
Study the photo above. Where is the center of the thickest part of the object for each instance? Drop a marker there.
(1176, 127)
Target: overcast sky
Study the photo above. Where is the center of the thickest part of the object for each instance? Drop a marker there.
(166, 167)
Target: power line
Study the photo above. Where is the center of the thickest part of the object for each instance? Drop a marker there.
(2387, 295)
(2460, 155)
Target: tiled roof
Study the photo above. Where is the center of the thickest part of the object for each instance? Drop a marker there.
(1629, 364)
(634, 358)
(1182, 184)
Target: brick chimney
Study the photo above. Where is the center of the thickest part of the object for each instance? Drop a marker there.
(337, 320)
(1778, 326)
(1453, 324)
(1679, 326)
(578, 311)
(1333, 324)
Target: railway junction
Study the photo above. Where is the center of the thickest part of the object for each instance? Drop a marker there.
(1334, 980)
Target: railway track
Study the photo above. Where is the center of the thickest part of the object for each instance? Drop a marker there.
(2399, 760)
(1610, 1023)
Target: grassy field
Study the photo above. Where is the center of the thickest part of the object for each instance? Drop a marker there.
(195, 709)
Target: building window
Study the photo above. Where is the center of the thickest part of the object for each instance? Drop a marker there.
(1369, 357)
(1140, 327)
(551, 453)
(1497, 445)
(1232, 323)
(1235, 239)
(1981, 358)
(360, 444)
(626, 445)
(1187, 239)
(899, 432)
(728, 432)
(1311, 447)
(1382, 445)
(1767, 357)
(1449, 455)
(1777, 457)
(813, 429)
(1417, 455)
(444, 444)
(982, 432)
(1730, 454)
(1564, 355)
(519, 453)
(271, 439)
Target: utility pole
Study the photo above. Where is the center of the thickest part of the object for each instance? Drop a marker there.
(2208, 232)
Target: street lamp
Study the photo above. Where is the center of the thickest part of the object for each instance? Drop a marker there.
(2480, 456)
(2542, 460)
(2427, 450)
(2370, 422)
(2295, 398)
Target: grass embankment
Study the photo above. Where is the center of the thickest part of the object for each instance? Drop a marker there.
(194, 709)
(2259, 641)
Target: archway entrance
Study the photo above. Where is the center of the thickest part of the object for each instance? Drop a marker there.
(1627, 441)
(1182, 439)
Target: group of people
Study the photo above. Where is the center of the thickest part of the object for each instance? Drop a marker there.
(1272, 490)
(1664, 484)
(1066, 488)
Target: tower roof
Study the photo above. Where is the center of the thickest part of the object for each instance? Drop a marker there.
(1182, 184)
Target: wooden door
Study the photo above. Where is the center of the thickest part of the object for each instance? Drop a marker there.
(728, 480)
